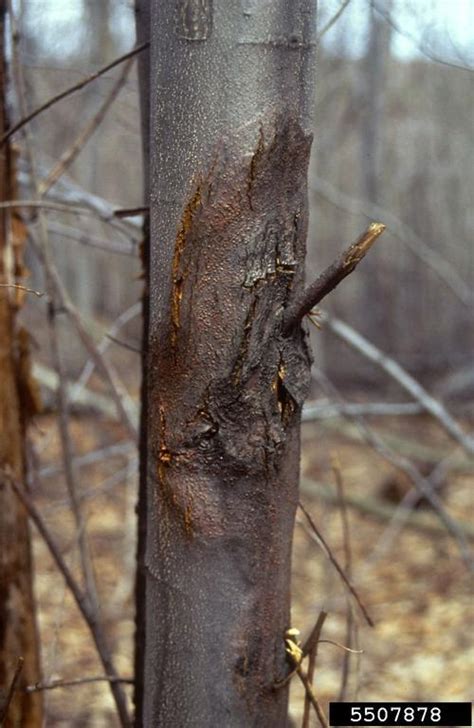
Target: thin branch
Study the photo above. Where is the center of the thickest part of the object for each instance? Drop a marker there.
(335, 563)
(84, 399)
(45, 205)
(107, 371)
(429, 54)
(72, 196)
(72, 89)
(89, 600)
(394, 370)
(336, 468)
(19, 287)
(68, 464)
(417, 246)
(109, 483)
(422, 485)
(53, 684)
(311, 649)
(312, 697)
(124, 448)
(345, 672)
(384, 511)
(5, 704)
(402, 514)
(341, 647)
(306, 650)
(332, 21)
(324, 409)
(348, 427)
(128, 315)
(124, 344)
(83, 137)
(315, 634)
(82, 600)
(85, 238)
(63, 420)
(131, 211)
(332, 276)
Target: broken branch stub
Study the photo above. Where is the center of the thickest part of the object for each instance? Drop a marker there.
(332, 276)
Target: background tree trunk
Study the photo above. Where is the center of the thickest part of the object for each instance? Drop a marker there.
(18, 636)
(230, 93)
(372, 136)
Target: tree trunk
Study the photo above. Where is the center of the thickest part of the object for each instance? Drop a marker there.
(142, 10)
(230, 104)
(377, 319)
(18, 635)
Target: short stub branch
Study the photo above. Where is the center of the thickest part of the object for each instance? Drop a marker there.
(332, 276)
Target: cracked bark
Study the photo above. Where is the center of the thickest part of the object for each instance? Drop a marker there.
(229, 156)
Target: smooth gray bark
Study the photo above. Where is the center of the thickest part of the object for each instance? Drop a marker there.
(231, 85)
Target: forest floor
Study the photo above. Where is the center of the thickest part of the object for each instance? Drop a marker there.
(413, 583)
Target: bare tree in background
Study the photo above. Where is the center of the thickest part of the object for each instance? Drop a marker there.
(18, 401)
(230, 101)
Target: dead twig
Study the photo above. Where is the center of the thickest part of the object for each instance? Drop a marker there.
(396, 372)
(332, 276)
(322, 541)
(421, 484)
(97, 360)
(314, 635)
(89, 600)
(19, 287)
(72, 196)
(342, 647)
(309, 645)
(131, 211)
(85, 238)
(72, 89)
(82, 600)
(431, 258)
(124, 448)
(45, 205)
(332, 21)
(384, 511)
(311, 649)
(348, 567)
(68, 464)
(105, 369)
(124, 344)
(53, 684)
(81, 140)
(324, 409)
(312, 697)
(5, 704)
(63, 419)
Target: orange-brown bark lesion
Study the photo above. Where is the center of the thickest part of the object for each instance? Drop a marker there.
(255, 164)
(178, 273)
(172, 500)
